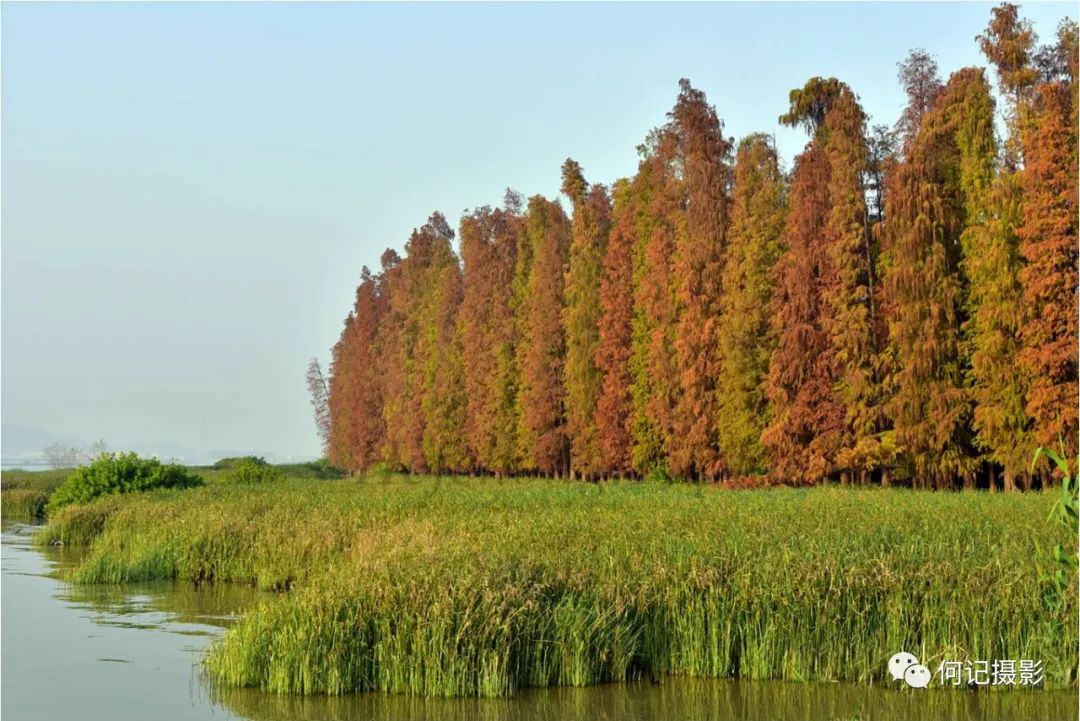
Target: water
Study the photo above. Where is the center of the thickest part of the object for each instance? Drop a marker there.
(132, 652)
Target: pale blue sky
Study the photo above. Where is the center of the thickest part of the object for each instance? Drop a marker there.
(190, 190)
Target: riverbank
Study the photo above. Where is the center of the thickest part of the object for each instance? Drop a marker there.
(442, 587)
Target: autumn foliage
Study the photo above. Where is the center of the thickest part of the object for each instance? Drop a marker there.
(900, 307)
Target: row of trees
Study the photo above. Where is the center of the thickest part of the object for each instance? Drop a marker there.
(901, 306)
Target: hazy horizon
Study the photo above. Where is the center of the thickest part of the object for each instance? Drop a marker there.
(189, 191)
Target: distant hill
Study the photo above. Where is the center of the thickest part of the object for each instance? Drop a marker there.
(25, 442)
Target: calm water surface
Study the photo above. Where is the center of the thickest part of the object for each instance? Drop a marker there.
(132, 652)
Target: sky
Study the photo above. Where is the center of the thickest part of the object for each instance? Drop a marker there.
(188, 192)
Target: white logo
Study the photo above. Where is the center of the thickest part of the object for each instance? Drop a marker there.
(917, 676)
(899, 663)
(905, 666)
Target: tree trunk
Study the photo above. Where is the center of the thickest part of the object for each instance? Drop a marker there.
(1010, 482)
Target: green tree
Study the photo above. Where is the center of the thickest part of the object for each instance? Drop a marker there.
(745, 337)
(581, 315)
(543, 443)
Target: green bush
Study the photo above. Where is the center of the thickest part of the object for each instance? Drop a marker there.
(234, 461)
(253, 470)
(113, 473)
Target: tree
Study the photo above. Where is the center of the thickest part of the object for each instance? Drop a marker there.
(1048, 244)
(851, 320)
(444, 400)
(918, 74)
(881, 144)
(653, 368)
(1009, 44)
(543, 443)
(340, 407)
(58, 455)
(822, 383)
(431, 293)
(354, 404)
(615, 404)
(1058, 62)
(320, 393)
(994, 307)
(702, 155)
(489, 245)
(744, 334)
(925, 212)
(806, 419)
(581, 315)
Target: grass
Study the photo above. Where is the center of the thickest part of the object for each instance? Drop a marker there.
(23, 494)
(466, 587)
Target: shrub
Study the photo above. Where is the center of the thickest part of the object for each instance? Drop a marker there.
(320, 469)
(113, 473)
(234, 461)
(253, 470)
(659, 474)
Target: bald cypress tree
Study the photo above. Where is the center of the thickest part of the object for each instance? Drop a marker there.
(444, 401)
(1048, 244)
(513, 258)
(1009, 44)
(653, 363)
(340, 447)
(745, 338)
(581, 315)
(392, 361)
(806, 418)
(366, 427)
(615, 405)
(822, 381)
(701, 185)
(489, 252)
(851, 319)
(543, 443)
(411, 348)
(994, 305)
(926, 214)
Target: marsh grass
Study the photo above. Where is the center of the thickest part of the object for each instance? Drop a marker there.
(23, 494)
(455, 587)
(26, 504)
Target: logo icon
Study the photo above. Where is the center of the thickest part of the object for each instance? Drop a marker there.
(904, 666)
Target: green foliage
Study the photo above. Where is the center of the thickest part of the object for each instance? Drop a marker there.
(468, 587)
(253, 471)
(119, 473)
(1065, 513)
(320, 468)
(658, 474)
(233, 461)
(744, 337)
(1061, 578)
(810, 104)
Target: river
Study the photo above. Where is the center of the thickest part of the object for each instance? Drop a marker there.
(132, 652)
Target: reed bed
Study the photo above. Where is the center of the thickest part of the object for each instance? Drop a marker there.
(23, 494)
(459, 587)
(23, 504)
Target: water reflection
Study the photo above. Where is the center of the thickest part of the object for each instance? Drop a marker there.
(676, 699)
(132, 652)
